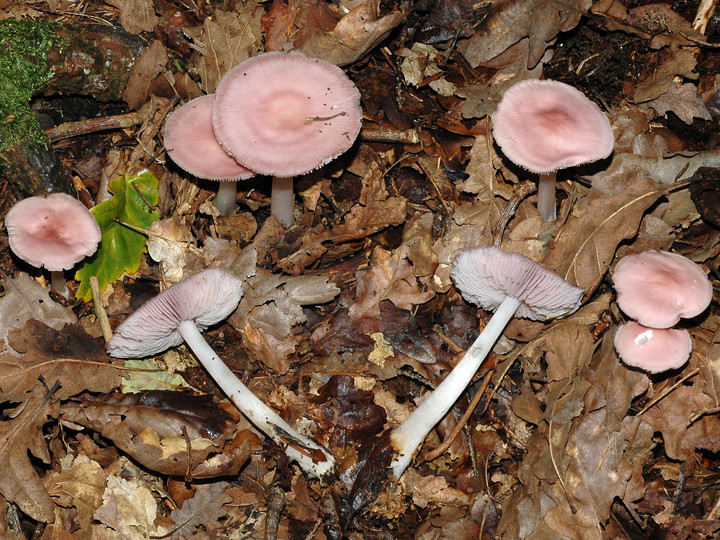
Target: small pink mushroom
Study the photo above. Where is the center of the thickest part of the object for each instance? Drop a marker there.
(56, 232)
(652, 349)
(284, 114)
(660, 288)
(544, 126)
(190, 142)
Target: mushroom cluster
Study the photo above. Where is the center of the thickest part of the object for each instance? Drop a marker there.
(657, 289)
(276, 114)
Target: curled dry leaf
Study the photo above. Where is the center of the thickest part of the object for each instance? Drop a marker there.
(156, 427)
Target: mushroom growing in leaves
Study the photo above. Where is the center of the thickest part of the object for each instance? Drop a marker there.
(652, 349)
(284, 114)
(179, 314)
(544, 126)
(56, 232)
(659, 288)
(190, 142)
(508, 283)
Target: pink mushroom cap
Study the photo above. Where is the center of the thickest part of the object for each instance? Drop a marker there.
(284, 114)
(56, 231)
(652, 349)
(190, 142)
(488, 275)
(205, 298)
(660, 288)
(544, 126)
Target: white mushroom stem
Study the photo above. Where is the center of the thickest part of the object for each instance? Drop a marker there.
(225, 198)
(546, 196)
(298, 447)
(58, 283)
(281, 200)
(409, 435)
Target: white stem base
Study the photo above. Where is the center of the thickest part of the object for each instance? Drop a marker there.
(546, 196)
(225, 198)
(281, 200)
(409, 435)
(298, 447)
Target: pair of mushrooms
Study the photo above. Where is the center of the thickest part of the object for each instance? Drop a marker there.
(657, 289)
(508, 283)
(276, 114)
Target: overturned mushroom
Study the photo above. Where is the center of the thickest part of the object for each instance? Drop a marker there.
(508, 283)
(179, 314)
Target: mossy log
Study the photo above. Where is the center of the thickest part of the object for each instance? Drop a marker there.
(93, 61)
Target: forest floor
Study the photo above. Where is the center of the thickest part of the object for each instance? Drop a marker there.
(350, 315)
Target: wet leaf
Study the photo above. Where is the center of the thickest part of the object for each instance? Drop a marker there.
(121, 247)
(156, 428)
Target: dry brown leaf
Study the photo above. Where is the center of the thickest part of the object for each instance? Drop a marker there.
(21, 437)
(683, 100)
(151, 64)
(136, 16)
(224, 40)
(204, 510)
(375, 211)
(128, 511)
(585, 245)
(355, 34)
(508, 22)
(79, 485)
(26, 299)
(70, 357)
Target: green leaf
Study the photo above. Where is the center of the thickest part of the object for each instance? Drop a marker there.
(121, 247)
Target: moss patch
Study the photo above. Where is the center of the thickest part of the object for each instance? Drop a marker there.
(24, 47)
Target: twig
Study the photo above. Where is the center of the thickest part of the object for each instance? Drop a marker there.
(523, 190)
(100, 309)
(555, 466)
(383, 134)
(68, 130)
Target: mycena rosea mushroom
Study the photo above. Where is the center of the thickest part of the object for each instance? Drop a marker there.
(56, 232)
(507, 283)
(545, 126)
(190, 142)
(652, 349)
(284, 114)
(659, 288)
(179, 314)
